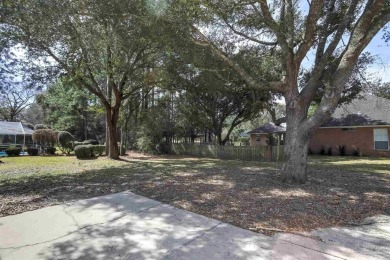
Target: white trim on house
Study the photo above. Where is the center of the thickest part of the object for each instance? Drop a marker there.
(381, 137)
(353, 126)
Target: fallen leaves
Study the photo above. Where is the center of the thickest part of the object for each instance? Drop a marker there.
(244, 194)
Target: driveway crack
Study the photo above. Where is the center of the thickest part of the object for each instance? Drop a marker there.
(191, 240)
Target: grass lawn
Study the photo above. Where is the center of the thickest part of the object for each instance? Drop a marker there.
(340, 190)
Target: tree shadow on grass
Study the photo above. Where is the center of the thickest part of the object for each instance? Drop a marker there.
(244, 194)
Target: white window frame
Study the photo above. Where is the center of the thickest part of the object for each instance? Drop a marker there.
(378, 136)
(258, 138)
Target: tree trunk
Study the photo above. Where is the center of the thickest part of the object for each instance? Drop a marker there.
(295, 156)
(112, 120)
(109, 99)
(295, 149)
(219, 137)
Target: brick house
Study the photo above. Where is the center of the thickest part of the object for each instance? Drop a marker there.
(261, 135)
(361, 127)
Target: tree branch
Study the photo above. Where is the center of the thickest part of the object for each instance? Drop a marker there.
(278, 86)
(309, 38)
(247, 36)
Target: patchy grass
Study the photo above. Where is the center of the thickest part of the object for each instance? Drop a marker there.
(247, 194)
(357, 164)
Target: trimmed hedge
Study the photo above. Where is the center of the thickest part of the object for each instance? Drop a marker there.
(13, 151)
(83, 151)
(98, 149)
(88, 151)
(51, 150)
(65, 139)
(32, 151)
(76, 143)
(91, 141)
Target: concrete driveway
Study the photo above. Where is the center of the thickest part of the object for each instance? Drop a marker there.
(128, 226)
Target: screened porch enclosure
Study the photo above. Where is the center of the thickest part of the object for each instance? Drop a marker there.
(15, 133)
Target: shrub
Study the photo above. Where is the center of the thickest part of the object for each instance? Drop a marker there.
(330, 151)
(65, 140)
(13, 151)
(122, 149)
(91, 141)
(83, 151)
(244, 141)
(51, 150)
(98, 149)
(77, 143)
(164, 148)
(342, 149)
(45, 137)
(146, 145)
(322, 151)
(41, 126)
(356, 152)
(32, 151)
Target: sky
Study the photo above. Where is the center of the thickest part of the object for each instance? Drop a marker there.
(377, 47)
(381, 50)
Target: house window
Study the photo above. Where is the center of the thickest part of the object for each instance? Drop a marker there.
(257, 138)
(381, 139)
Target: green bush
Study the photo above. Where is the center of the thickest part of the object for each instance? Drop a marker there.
(164, 148)
(342, 150)
(51, 150)
(91, 141)
(322, 151)
(84, 151)
(243, 139)
(122, 149)
(76, 143)
(13, 151)
(356, 152)
(98, 149)
(146, 145)
(41, 126)
(32, 151)
(65, 140)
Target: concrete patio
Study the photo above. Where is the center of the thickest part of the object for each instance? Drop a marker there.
(128, 226)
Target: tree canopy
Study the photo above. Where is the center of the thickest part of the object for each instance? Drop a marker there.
(229, 56)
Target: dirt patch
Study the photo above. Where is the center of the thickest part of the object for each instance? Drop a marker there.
(244, 194)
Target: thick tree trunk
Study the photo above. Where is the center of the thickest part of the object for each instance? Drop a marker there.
(112, 121)
(295, 155)
(295, 149)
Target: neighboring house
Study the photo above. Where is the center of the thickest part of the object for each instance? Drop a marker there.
(361, 126)
(261, 135)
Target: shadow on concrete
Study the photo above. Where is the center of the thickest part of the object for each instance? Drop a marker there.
(149, 230)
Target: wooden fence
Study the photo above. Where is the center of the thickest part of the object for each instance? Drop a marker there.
(245, 153)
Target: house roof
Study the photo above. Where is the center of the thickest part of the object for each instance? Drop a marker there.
(14, 128)
(369, 110)
(353, 120)
(268, 128)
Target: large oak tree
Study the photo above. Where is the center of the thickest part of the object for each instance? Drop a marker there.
(332, 33)
(103, 46)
